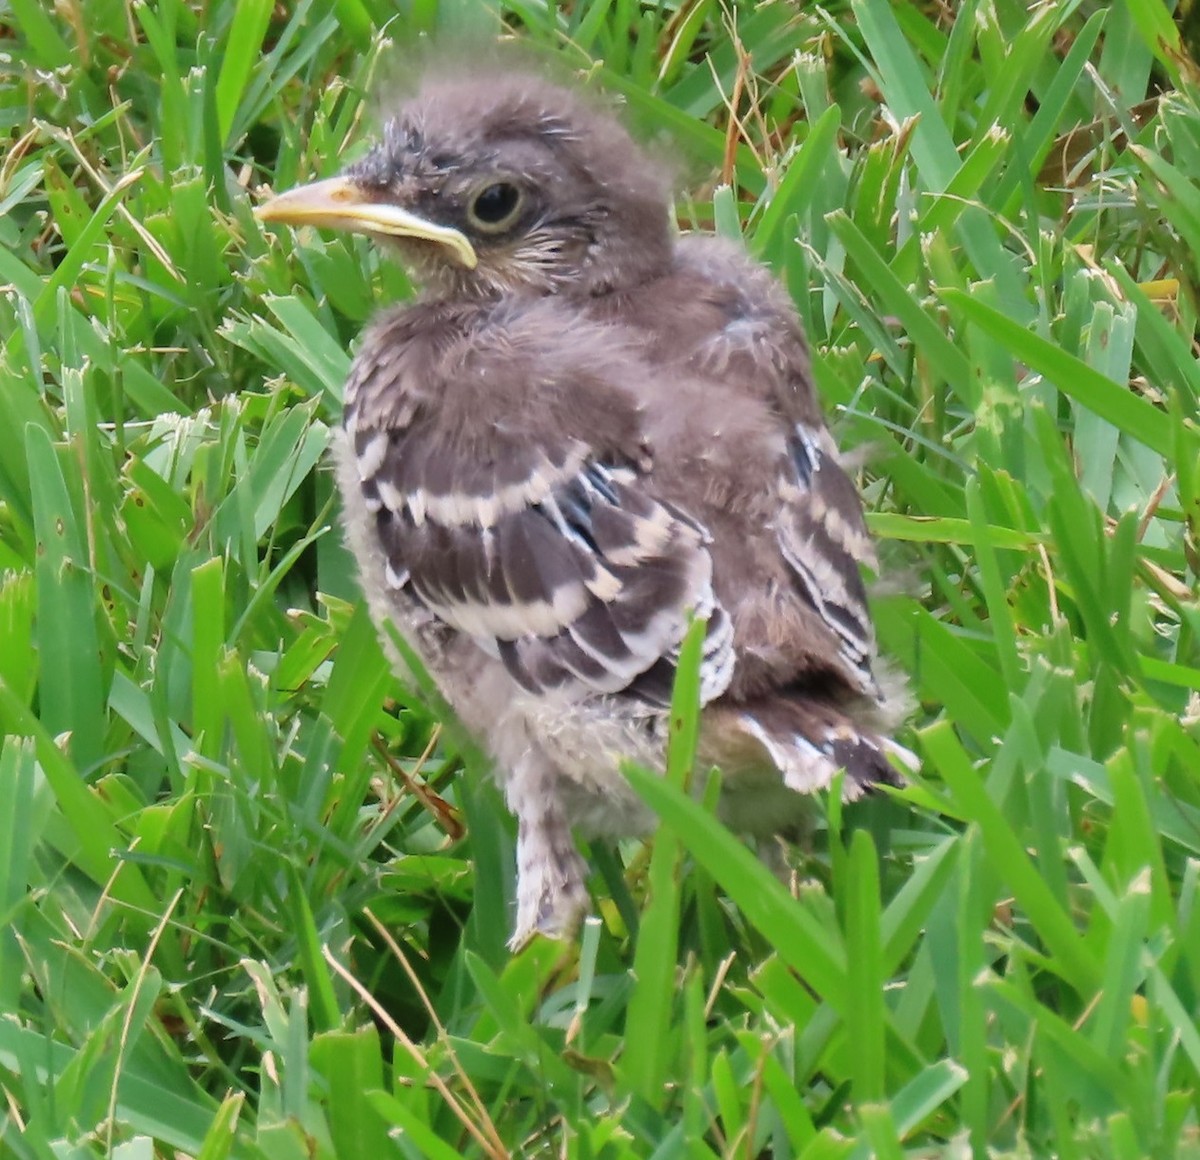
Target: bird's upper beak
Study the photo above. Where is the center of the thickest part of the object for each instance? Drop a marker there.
(338, 204)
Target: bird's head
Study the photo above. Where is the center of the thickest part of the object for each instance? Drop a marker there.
(500, 184)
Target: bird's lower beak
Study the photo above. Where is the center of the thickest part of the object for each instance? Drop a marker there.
(339, 204)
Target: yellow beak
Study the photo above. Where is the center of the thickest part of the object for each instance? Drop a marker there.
(338, 204)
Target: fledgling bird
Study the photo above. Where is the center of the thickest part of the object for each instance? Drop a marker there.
(583, 432)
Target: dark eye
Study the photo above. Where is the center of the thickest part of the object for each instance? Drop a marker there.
(495, 207)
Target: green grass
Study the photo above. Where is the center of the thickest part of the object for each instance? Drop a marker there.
(236, 918)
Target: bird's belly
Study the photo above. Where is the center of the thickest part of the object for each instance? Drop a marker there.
(587, 740)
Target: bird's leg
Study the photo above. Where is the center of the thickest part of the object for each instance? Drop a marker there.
(551, 876)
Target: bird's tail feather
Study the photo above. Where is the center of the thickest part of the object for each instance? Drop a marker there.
(808, 740)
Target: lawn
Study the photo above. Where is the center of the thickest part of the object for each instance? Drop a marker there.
(255, 891)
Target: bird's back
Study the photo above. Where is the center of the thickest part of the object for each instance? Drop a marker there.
(729, 407)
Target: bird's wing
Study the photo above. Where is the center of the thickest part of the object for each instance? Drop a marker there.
(521, 517)
(823, 538)
(760, 443)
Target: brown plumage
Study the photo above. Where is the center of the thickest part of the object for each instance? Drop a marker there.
(584, 431)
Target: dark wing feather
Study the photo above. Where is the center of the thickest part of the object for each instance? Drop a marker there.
(589, 587)
(823, 539)
(545, 545)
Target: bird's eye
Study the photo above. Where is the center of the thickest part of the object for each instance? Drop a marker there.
(495, 207)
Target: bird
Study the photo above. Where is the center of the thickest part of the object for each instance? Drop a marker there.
(585, 432)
